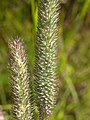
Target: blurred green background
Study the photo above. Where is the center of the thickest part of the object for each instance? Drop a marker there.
(20, 17)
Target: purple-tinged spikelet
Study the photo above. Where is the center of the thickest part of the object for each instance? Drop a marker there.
(19, 74)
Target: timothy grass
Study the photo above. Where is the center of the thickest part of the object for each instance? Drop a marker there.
(21, 18)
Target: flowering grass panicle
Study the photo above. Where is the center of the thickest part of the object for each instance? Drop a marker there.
(19, 74)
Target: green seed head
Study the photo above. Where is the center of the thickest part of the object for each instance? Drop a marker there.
(46, 51)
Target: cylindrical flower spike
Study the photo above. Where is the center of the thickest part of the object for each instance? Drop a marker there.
(46, 50)
(19, 73)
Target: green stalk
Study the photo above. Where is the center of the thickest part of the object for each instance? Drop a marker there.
(19, 73)
(46, 52)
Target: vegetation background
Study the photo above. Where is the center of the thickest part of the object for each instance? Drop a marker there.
(20, 17)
